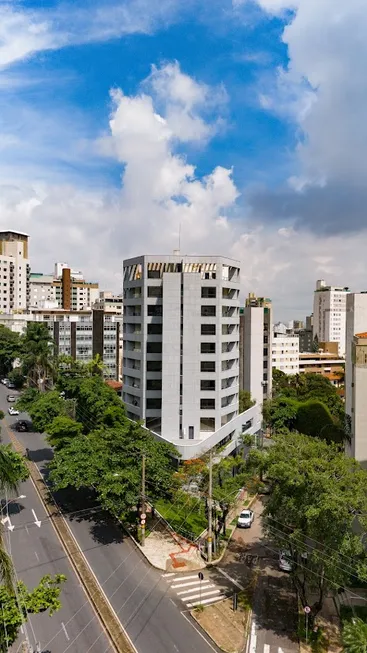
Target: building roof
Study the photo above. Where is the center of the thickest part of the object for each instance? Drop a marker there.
(14, 231)
(115, 385)
(361, 335)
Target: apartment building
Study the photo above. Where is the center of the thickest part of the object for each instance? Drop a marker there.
(255, 366)
(66, 287)
(356, 323)
(181, 351)
(14, 271)
(285, 352)
(357, 397)
(329, 314)
(80, 334)
(328, 365)
(109, 302)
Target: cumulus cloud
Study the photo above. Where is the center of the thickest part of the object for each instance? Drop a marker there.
(323, 91)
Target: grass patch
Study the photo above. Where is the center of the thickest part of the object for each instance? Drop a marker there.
(186, 514)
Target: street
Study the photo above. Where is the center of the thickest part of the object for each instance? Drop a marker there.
(274, 609)
(148, 608)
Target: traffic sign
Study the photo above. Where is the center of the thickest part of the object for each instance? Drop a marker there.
(143, 515)
(142, 521)
(201, 575)
(307, 609)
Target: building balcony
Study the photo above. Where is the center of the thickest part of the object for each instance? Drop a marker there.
(133, 391)
(132, 408)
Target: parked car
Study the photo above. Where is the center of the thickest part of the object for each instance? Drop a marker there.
(285, 561)
(11, 398)
(13, 411)
(22, 426)
(5, 382)
(245, 519)
(11, 385)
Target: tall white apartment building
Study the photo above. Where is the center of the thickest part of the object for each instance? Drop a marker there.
(356, 323)
(329, 314)
(256, 347)
(14, 271)
(285, 352)
(181, 350)
(357, 398)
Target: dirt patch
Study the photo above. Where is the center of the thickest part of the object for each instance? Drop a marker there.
(226, 627)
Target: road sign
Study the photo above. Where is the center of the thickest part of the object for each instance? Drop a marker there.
(307, 609)
(201, 575)
(142, 521)
(143, 515)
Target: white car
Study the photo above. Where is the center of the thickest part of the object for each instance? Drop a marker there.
(13, 411)
(245, 519)
(285, 561)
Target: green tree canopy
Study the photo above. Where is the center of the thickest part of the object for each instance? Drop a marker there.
(355, 636)
(245, 400)
(9, 349)
(62, 430)
(37, 356)
(43, 410)
(316, 489)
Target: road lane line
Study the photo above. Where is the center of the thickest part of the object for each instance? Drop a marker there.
(253, 638)
(235, 582)
(193, 589)
(178, 580)
(26, 527)
(65, 631)
(191, 582)
(198, 596)
(36, 554)
(199, 633)
(213, 599)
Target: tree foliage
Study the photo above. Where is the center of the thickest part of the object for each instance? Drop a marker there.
(245, 401)
(14, 607)
(9, 349)
(37, 356)
(316, 490)
(46, 406)
(355, 636)
(62, 430)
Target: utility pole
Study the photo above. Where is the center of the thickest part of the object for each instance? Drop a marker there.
(143, 515)
(210, 508)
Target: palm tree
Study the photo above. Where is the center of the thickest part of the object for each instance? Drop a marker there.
(96, 366)
(355, 636)
(37, 359)
(9, 478)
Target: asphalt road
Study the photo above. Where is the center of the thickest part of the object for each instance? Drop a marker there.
(149, 611)
(37, 551)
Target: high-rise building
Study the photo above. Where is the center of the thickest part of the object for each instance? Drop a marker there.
(14, 271)
(256, 347)
(329, 314)
(181, 351)
(356, 323)
(66, 287)
(285, 352)
(357, 397)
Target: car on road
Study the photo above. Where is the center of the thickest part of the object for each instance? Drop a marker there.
(11, 398)
(22, 426)
(13, 411)
(11, 385)
(5, 382)
(245, 519)
(285, 561)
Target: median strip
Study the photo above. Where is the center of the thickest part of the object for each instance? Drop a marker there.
(103, 608)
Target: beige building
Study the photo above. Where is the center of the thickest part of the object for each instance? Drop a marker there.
(325, 364)
(66, 287)
(109, 302)
(14, 271)
(358, 398)
(256, 347)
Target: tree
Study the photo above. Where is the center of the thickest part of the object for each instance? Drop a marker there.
(17, 377)
(62, 430)
(355, 636)
(281, 413)
(37, 355)
(110, 460)
(14, 606)
(245, 401)
(316, 491)
(9, 349)
(314, 418)
(46, 406)
(315, 344)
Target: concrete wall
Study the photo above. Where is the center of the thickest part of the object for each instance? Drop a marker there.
(171, 350)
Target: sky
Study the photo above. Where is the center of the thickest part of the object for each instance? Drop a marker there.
(239, 124)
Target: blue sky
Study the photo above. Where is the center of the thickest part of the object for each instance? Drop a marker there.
(121, 120)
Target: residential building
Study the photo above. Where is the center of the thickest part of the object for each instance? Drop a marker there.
(66, 287)
(14, 271)
(356, 322)
(255, 365)
(357, 397)
(285, 352)
(329, 311)
(326, 364)
(109, 302)
(181, 351)
(80, 334)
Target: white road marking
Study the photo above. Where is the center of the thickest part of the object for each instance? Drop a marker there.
(179, 579)
(36, 521)
(193, 589)
(253, 638)
(65, 631)
(36, 554)
(199, 633)
(191, 582)
(213, 599)
(26, 527)
(280, 650)
(167, 575)
(266, 648)
(197, 596)
(235, 582)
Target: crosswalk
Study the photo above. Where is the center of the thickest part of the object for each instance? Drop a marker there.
(193, 591)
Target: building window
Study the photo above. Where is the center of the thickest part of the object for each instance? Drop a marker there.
(154, 310)
(209, 292)
(154, 274)
(207, 404)
(154, 329)
(207, 366)
(208, 329)
(208, 347)
(207, 384)
(154, 347)
(154, 366)
(153, 404)
(154, 384)
(191, 432)
(208, 311)
(155, 291)
(265, 352)
(207, 424)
